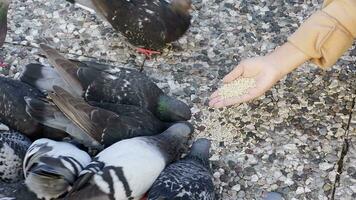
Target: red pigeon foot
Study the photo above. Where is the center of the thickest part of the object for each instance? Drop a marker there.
(2, 64)
(145, 197)
(148, 53)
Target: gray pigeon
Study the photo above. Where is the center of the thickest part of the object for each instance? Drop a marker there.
(104, 83)
(13, 147)
(52, 167)
(127, 169)
(186, 179)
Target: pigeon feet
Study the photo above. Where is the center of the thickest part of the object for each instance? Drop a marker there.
(148, 53)
(145, 197)
(2, 63)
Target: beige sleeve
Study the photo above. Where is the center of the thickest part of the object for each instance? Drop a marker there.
(328, 33)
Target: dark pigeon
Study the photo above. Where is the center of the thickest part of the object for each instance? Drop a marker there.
(90, 125)
(149, 24)
(13, 147)
(127, 169)
(13, 110)
(187, 179)
(104, 83)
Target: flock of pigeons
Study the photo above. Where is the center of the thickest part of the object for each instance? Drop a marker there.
(84, 130)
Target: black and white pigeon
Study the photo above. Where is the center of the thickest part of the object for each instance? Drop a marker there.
(13, 110)
(186, 179)
(147, 24)
(90, 125)
(52, 167)
(13, 147)
(4, 6)
(127, 169)
(104, 83)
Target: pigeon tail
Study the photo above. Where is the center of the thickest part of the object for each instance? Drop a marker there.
(49, 115)
(46, 113)
(42, 77)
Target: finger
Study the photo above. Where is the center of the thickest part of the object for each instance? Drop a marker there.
(234, 74)
(226, 102)
(215, 94)
(213, 101)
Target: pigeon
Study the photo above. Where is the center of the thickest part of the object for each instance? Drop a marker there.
(52, 167)
(188, 179)
(13, 110)
(13, 147)
(93, 126)
(127, 169)
(147, 24)
(104, 83)
(4, 6)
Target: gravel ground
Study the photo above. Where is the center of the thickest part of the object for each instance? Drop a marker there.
(292, 140)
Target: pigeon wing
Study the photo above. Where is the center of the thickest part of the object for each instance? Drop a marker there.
(65, 68)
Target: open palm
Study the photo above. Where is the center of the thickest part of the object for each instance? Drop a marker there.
(264, 73)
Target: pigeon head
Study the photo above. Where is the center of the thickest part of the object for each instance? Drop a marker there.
(180, 130)
(200, 150)
(176, 140)
(171, 110)
(182, 6)
(4, 6)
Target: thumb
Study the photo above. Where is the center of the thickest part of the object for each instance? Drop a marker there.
(234, 74)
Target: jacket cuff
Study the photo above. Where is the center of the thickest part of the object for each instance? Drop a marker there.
(322, 38)
(344, 11)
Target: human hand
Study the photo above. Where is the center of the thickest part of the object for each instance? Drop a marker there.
(260, 69)
(266, 70)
